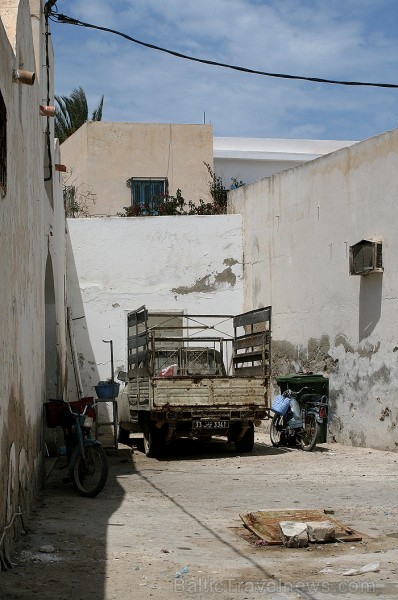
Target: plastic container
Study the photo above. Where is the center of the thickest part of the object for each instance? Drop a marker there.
(80, 405)
(104, 390)
(53, 410)
(318, 384)
(58, 412)
(280, 404)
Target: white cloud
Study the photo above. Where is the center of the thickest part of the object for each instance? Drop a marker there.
(350, 40)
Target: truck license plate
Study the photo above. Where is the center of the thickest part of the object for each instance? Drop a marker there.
(210, 424)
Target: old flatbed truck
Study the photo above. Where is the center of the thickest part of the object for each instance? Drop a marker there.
(189, 377)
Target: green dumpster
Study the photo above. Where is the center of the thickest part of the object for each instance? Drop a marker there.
(318, 384)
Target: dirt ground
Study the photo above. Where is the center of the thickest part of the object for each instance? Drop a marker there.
(170, 528)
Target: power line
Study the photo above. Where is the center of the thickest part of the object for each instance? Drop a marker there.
(71, 21)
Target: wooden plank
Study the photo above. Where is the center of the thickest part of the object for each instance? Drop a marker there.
(250, 340)
(248, 357)
(137, 341)
(136, 317)
(261, 315)
(251, 371)
(141, 372)
(138, 357)
(265, 523)
(233, 393)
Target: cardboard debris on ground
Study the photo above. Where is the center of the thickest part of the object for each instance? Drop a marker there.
(265, 524)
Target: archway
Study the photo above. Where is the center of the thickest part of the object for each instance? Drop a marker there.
(51, 351)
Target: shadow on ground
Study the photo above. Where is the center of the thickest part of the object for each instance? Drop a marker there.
(187, 449)
(74, 530)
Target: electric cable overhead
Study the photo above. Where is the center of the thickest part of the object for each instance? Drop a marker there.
(64, 19)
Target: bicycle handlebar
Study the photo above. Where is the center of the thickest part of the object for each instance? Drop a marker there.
(291, 393)
(77, 413)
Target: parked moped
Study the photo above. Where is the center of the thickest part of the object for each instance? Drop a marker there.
(298, 418)
(87, 461)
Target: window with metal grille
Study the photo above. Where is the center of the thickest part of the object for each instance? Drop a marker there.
(147, 191)
(3, 146)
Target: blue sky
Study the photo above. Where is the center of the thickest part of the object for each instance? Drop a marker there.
(335, 39)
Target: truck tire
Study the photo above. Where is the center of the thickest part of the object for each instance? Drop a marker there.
(153, 441)
(246, 443)
(124, 436)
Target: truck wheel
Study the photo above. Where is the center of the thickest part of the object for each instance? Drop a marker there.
(153, 441)
(246, 443)
(124, 436)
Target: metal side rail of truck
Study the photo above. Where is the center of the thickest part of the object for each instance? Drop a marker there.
(195, 376)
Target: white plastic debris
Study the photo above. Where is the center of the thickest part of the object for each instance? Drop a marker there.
(369, 568)
(329, 571)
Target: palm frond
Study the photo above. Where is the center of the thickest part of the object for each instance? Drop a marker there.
(72, 112)
(97, 113)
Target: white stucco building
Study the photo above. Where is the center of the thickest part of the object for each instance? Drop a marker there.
(298, 227)
(251, 159)
(32, 241)
(113, 165)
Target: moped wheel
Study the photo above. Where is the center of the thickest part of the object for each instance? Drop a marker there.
(276, 429)
(90, 475)
(309, 435)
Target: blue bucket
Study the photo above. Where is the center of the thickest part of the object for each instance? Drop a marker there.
(104, 390)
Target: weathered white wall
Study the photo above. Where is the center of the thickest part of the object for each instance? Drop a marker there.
(101, 157)
(298, 226)
(32, 236)
(116, 265)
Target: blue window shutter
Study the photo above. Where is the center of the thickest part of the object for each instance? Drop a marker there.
(144, 190)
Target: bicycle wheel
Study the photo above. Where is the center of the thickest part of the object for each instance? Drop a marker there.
(276, 429)
(90, 475)
(309, 435)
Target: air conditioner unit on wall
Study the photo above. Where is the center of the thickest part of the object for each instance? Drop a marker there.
(366, 257)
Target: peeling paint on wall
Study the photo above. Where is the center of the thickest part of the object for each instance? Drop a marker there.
(289, 358)
(360, 411)
(230, 262)
(364, 351)
(209, 283)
